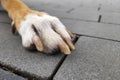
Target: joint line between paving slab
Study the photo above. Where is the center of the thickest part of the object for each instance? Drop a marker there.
(98, 37)
(94, 21)
(99, 19)
(63, 58)
(33, 76)
(110, 23)
(4, 22)
(18, 72)
(58, 67)
(70, 10)
(99, 8)
(79, 19)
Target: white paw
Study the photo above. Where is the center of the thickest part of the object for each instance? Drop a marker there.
(46, 32)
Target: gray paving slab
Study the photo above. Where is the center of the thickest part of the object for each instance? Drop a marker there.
(85, 14)
(90, 3)
(5, 75)
(52, 3)
(110, 17)
(110, 6)
(114, 72)
(64, 11)
(109, 31)
(46, 5)
(4, 17)
(104, 5)
(14, 55)
(1, 8)
(92, 60)
(81, 14)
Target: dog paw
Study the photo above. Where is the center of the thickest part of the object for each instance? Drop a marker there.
(46, 33)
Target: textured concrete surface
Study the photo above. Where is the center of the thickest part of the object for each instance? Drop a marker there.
(52, 3)
(4, 17)
(14, 55)
(5, 75)
(60, 9)
(112, 18)
(87, 14)
(109, 5)
(94, 59)
(1, 8)
(81, 14)
(109, 31)
(104, 5)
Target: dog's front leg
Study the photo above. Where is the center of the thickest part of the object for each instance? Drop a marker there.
(43, 31)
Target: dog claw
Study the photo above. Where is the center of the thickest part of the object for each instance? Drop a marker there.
(65, 49)
(38, 44)
(71, 35)
(14, 31)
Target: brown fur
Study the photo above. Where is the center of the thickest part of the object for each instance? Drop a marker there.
(16, 8)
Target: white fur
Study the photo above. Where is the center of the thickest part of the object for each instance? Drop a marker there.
(44, 25)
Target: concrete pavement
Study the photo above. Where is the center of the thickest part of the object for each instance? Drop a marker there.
(5, 75)
(97, 51)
